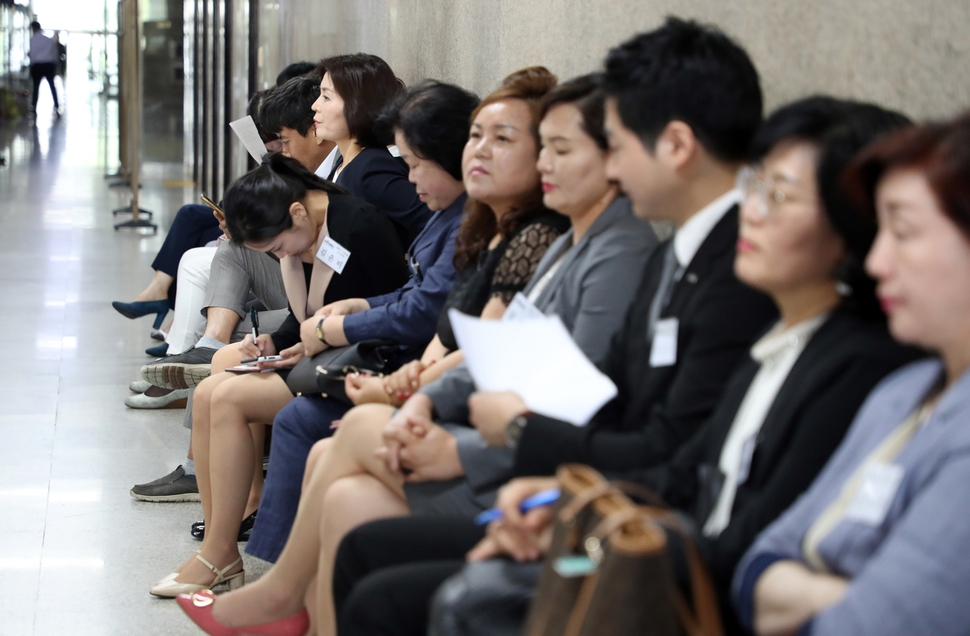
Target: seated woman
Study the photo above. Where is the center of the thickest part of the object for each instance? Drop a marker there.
(279, 207)
(878, 543)
(576, 279)
(354, 90)
(430, 123)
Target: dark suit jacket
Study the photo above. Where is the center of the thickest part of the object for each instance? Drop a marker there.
(657, 409)
(381, 179)
(376, 264)
(838, 368)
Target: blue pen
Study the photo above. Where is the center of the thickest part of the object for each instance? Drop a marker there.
(544, 498)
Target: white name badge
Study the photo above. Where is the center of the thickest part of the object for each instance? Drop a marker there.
(521, 308)
(663, 352)
(876, 495)
(333, 254)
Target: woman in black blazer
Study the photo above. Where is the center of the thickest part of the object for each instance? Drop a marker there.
(783, 413)
(279, 207)
(354, 89)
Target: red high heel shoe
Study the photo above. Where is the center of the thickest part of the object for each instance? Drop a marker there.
(198, 606)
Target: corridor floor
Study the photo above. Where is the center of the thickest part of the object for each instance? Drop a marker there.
(77, 553)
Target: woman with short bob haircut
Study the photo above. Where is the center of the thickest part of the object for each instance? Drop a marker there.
(878, 544)
(354, 90)
(282, 208)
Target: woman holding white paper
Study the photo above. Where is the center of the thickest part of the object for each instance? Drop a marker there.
(579, 278)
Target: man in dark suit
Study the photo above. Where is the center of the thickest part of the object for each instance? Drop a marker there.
(684, 102)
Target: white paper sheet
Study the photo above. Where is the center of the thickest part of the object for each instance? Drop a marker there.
(536, 358)
(245, 129)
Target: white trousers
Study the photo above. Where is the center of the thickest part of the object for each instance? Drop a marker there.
(189, 323)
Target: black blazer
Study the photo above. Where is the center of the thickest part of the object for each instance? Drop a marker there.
(657, 409)
(376, 265)
(381, 179)
(832, 377)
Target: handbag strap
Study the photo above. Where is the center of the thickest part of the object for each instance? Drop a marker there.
(583, 499)
(705, 619)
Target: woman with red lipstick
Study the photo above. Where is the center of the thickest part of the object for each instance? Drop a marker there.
(354, 90)
(878, 543)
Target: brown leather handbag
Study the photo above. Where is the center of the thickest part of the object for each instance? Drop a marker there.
(608, 572)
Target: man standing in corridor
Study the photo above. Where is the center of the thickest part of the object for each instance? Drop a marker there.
(44, 57)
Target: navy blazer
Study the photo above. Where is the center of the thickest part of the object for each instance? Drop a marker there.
(381, 179)
(409, 315)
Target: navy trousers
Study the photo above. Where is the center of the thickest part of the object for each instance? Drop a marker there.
(297, 427)
(193, 226)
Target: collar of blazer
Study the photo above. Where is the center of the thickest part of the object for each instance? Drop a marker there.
(620, 208)
(839, 340)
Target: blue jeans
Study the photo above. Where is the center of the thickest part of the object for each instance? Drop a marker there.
(297, 427)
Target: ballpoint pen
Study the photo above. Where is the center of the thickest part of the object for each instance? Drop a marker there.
(544, 498)
(255, 318)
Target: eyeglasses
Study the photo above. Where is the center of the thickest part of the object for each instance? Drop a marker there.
(770, 198)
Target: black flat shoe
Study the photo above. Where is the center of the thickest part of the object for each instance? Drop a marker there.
(245, 528)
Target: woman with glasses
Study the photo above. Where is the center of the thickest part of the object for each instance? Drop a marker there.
(878, 543)
(782, 414)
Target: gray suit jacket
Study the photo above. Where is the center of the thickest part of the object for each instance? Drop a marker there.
(590, 292)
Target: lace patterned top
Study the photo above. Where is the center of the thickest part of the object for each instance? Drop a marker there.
(501, 271)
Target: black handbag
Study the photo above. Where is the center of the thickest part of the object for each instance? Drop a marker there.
(325, 372)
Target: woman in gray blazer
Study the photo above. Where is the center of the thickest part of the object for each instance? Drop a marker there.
(588, 277)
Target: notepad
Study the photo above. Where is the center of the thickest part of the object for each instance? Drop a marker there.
(536, 358)
(245, 129)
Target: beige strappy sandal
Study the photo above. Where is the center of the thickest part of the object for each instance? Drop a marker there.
(170, 588)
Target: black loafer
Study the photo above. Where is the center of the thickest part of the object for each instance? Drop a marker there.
(245, 528)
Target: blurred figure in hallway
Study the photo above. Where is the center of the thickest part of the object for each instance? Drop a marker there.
(44, 58)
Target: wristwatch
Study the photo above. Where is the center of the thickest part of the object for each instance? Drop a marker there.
(513, 430)
(320, 332)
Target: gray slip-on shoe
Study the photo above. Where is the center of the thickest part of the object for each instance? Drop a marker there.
(173, 487)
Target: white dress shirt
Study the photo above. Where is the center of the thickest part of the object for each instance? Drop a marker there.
(777, 352)
(43, 50)
(691, 234)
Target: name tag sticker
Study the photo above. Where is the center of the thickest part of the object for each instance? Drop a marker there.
(521, 308)
(333, 254)
(876, 494)
(663, 352)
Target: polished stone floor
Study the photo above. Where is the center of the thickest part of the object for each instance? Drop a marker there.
(77, 553)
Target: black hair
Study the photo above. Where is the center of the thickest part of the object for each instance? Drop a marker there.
(434, 119)
(684, 71)
(290, 105)
(839, 129)
(585, 94)
(253, 110)
(257, 205)
(295, 69)
(367, 85)
(35, 26)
